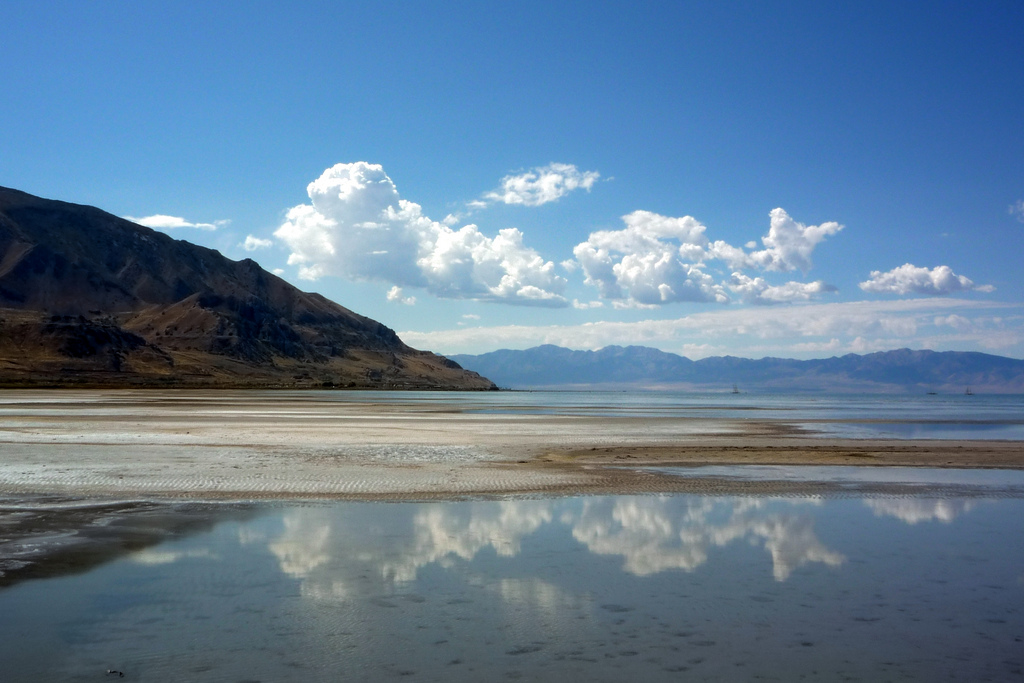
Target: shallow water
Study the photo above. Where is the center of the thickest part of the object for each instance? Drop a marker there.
(992, 481)
(858, 416)
(598, 588)
(896, 416)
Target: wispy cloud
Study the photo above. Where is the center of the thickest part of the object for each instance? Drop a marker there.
(756, 290)
(1017, 210)
(252, 243)
(161, 222)
(542, 185)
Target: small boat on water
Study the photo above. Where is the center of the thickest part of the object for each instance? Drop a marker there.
(968, 392)
(735, 389)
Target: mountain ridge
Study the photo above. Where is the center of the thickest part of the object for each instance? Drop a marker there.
(87, 297)
(899, 370)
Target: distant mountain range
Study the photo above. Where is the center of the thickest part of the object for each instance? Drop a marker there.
(612, 367)
(87, 298)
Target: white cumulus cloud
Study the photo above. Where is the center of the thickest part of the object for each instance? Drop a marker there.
(910, 279)
(655, 259)
(252, 243)
(161, 222)
(788, 244)
(659, 259)
(542, 185)
(357, 227)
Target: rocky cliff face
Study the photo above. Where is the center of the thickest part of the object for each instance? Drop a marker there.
(90, 298)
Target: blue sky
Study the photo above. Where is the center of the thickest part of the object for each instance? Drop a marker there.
(796, 179)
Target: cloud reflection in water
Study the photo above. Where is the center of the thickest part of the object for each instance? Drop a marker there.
(444, 532)
(329, 551)
(653, 537)
(914, 510)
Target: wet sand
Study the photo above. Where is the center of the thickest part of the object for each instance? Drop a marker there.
(43, 536)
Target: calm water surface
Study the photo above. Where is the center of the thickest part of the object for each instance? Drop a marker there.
(919, 416)
(990, 481)
(678, 587)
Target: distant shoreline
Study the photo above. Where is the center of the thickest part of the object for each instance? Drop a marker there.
(662, 389)
(173, 385)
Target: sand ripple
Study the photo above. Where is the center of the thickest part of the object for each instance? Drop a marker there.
(264, 445)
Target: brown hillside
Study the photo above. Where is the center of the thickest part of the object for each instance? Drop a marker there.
(90, 298)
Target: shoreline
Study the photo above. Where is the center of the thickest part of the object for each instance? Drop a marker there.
(245, 445)
(48, 534)
(230, 473)
(86, 476)
(808, 450)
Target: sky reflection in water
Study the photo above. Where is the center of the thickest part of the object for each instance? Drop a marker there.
(605, 588)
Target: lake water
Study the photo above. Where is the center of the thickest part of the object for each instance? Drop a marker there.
(990, 481)
(892, 416)
(887, 416)
(680, 587)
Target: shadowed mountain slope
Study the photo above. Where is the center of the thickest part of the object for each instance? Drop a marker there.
(87, 297)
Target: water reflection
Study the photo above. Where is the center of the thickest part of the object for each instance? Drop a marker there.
(329, 551)
(653, 535)
(598, 588)
(156, 557)
(915, 510)
(541, 597)
(442, 533)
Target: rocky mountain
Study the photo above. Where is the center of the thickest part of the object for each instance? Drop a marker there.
(901, 370)
(88, 298)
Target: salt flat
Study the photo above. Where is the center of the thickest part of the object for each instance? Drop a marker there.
(266, 444)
